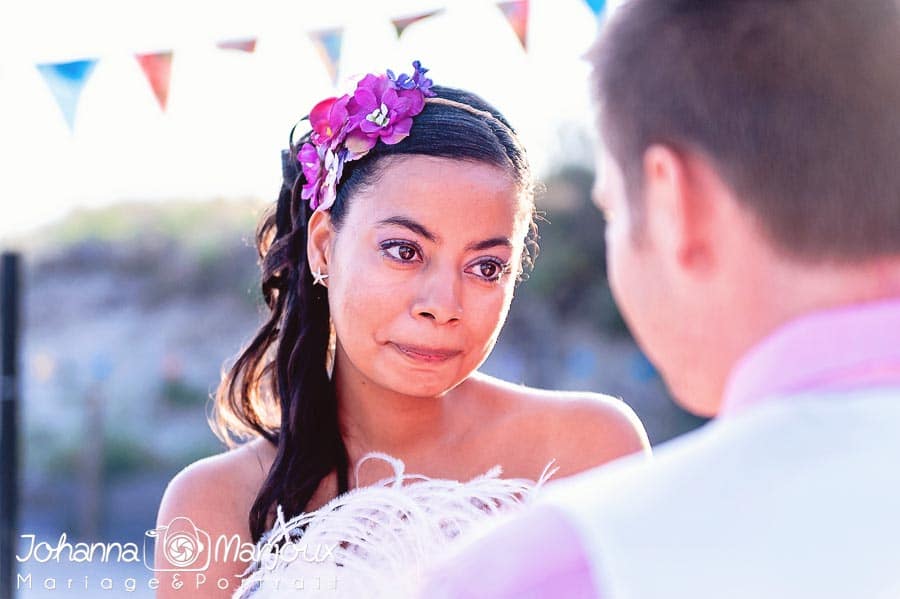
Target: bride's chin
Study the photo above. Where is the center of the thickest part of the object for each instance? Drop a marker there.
(416, 385)
(424, 392)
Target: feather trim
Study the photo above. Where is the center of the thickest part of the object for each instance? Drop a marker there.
(376, 541)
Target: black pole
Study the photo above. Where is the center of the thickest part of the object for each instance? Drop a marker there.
(9, 433)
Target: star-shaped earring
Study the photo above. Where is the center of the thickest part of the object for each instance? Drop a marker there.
(319, 278)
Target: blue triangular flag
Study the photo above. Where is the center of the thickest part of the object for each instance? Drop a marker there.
(66, 80)
(596, 5)
(328, 43)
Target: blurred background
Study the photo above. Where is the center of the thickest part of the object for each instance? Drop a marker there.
(140, 146)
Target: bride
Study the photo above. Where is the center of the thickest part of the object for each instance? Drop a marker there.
(388, 268)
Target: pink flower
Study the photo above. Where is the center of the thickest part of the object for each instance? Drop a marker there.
(329, 120)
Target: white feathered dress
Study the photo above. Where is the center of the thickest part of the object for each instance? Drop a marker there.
(377, 541)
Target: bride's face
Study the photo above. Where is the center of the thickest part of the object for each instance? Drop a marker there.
(422, 272)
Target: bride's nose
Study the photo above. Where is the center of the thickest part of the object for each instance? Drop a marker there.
(439, 297)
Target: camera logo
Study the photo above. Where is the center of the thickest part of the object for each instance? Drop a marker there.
(185, 547)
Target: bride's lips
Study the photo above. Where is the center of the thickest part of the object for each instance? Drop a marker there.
(426, 354)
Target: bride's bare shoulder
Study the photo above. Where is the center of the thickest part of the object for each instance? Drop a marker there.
(220, 487)
(213, 495)
(580, 429)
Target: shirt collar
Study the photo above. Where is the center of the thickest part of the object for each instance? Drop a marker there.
(850, 346)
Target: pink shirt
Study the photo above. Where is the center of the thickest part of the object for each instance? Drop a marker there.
(540, 554)
(843, 348)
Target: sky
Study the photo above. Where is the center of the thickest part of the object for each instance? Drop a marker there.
(229, 113)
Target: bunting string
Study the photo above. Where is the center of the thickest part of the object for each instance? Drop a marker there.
(66, 80)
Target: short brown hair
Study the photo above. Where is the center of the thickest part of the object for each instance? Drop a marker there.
(795, 102)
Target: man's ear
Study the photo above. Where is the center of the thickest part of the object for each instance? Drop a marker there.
(680, 206)
(320, 235)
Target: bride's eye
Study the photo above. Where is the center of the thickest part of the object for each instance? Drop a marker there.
(489, 270)
(401, 251)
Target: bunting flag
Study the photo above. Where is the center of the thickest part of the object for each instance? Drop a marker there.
(517, 14)
(596, 6)
(243, 45)
(402, 23)
(328, 43)
(66, 80)
(158, 69)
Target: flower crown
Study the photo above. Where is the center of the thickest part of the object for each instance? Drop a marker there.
(346, 128)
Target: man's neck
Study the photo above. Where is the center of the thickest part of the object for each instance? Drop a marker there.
(793, 290)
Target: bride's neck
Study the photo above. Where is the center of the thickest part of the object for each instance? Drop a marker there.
(373, 418)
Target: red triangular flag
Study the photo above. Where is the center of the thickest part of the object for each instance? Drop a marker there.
(244, 45)
(328, 43)
(158, 69)
(404, 22)
(517, 14)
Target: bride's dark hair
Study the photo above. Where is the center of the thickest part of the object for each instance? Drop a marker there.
(279, 386)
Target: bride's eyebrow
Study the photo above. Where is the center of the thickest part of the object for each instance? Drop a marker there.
(420, 229)
(489, 243)
(410, 224)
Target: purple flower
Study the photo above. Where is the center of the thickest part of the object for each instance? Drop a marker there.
(421, 81)
(334, 168)
(322, 169)
(310, 158)
(404, 81)
(379, 111)
(417, 81)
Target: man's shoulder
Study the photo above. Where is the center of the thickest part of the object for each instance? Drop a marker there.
(747, 496)
(807, 448)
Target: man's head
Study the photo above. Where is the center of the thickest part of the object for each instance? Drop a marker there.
(752, 170)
